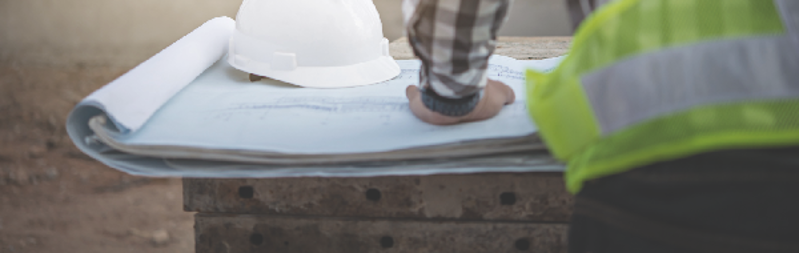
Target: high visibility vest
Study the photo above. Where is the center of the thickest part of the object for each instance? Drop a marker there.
(654, 80)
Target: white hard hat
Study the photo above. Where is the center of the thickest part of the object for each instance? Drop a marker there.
(312, 43)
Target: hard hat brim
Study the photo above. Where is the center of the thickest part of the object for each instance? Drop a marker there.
(378, 70)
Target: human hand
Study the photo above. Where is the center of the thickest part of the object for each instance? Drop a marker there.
(495, 96)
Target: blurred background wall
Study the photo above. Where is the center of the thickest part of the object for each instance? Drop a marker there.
(125, 32)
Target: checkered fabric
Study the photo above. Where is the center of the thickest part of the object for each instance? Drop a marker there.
(453, 39)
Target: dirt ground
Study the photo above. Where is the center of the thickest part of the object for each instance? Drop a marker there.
(53, 198)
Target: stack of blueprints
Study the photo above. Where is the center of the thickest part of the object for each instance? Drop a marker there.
(186, 112)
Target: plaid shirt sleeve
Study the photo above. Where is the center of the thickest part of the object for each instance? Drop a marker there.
(453, 39)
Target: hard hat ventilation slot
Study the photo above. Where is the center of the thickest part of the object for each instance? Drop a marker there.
(384, 46)
(284, 61)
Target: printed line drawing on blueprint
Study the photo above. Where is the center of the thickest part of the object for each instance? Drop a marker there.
(331, 111)
(332, 104)
(494, 71)
(334, 109)
(497, 71)
(408, 74)
(321, 110)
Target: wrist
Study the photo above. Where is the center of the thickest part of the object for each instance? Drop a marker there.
(448, 106)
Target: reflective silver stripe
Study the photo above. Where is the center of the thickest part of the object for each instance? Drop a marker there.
(789, 11)
(675, 79)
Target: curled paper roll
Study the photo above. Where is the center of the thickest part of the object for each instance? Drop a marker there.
(133, 97)
(130, 100)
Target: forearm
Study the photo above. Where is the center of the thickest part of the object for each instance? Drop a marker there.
(453, 39)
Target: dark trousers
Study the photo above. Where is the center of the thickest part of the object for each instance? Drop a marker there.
(723, 201)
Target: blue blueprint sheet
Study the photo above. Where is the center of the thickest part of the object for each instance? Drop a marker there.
(221, 109)
(186, 96)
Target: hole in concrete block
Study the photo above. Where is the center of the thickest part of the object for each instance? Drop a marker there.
(246, 192)
(256, 239)
(507, 198)
(522, 244)
(387, 242)
(373, 194)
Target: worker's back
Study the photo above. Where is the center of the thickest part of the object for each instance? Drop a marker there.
(679, 121)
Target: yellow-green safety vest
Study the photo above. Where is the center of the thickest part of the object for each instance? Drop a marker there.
(654, 80)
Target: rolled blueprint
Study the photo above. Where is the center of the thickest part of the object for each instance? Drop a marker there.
(133, 97)
(186, 113)
(130, 100)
